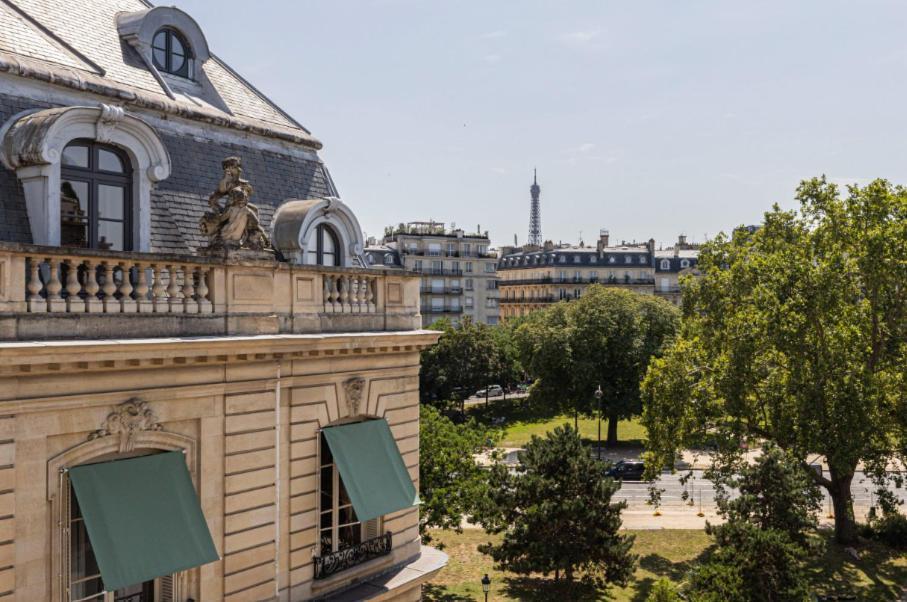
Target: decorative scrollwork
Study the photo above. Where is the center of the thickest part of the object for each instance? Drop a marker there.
(126, 420)
(347, 558)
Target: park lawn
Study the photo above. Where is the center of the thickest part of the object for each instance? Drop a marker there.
(662, 554)
(522, 420)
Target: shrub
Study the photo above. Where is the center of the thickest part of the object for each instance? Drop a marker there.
(891, 530)
(663, 591)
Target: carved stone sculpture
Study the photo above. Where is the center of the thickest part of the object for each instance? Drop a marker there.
(235, 225)
(353, 388)
(127, 420)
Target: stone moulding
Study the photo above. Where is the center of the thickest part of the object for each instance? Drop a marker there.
(95, 84)
(127, 420)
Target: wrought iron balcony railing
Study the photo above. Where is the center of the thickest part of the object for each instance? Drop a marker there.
(347, 558)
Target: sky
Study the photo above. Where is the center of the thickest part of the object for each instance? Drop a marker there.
(649, 119)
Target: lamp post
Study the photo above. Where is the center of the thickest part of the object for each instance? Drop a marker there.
(598, 398)
(486, 585)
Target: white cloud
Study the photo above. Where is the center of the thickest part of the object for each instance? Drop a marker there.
(579, 38)
(494, 35)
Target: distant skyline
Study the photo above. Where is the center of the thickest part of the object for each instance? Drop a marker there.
(647, 119)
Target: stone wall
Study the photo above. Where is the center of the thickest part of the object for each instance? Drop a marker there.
(253, 413)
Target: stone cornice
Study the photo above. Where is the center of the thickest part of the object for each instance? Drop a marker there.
(31, 358)
(84, 81)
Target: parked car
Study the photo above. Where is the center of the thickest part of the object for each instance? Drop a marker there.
(492, 391)
(627, 470)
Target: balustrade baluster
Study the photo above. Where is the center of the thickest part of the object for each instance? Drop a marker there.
(345, 295)
(204, 303)
(190, 304)
(370, 294)
(36, 302)
(335, 293)
(55, 303)
(127, 303)
(109, 288)
(74, 303)
(173, 290)
(326, 295)
(354, 294)
(143, 305)
(91, 288)
(158, 290)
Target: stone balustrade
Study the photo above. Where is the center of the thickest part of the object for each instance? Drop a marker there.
(53, 293)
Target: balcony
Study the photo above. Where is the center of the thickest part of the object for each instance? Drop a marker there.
(59, 293)
(449, 290)
(580, 280)
(428, 309)
(331, 564)
(441, 272)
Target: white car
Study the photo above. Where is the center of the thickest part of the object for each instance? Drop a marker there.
(492, 391)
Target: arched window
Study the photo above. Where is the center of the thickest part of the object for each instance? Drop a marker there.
(684, 263)
(95, 197)
(171, 53)
(323, 246)
(665, 264)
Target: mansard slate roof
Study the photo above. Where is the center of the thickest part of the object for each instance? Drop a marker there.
(586, 255)
(76, 44)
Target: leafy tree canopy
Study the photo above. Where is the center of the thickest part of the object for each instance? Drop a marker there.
(605, 338)
(796, 333)
(464, 360)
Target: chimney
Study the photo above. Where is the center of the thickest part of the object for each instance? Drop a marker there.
(603, 237)
(682, 241)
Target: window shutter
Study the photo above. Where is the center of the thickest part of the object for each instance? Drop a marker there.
(371, 529)
(167, 587)
(65, 535)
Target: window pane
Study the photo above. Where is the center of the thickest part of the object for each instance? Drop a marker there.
(349, 536)
(74, 213)
(328, 259)
(110, 202)
(327, 542)
(160, 40)
(111, 235)
(176, 46)
(346, 516)
(326, 456)
(109, 161)
(160, 58)
(177, 62)
(83, 563)
(76, 156)
(327, 241)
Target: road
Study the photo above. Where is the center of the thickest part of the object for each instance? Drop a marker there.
(636, 494)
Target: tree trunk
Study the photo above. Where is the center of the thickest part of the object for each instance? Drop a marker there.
(612, 431)
(568, 573)
(842, 500)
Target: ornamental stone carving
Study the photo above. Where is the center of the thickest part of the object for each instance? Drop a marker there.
(235, 225)
(353, 389)
(127, 420)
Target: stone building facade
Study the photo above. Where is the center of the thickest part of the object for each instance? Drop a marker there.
(533, 277)
(458, 269)
(218, 376)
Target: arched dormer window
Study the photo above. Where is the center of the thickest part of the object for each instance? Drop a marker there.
(95, 197)
(665, 264)
(388, 259)
(323, 246)
(684, 263)
(171, 53)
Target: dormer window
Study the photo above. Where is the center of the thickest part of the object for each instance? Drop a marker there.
(665, 264)
(684, 263)
(171, 53)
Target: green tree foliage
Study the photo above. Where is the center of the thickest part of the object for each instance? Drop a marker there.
(556, 514)
(796, 333)
(663, 591)
(464, 360)
(605, 338)
(774, 492)
(451, 484)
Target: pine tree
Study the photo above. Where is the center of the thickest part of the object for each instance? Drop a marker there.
(556, 515)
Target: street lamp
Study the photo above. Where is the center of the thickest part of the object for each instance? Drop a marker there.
(486, 585)
(598, 398)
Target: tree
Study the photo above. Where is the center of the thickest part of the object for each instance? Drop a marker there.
(795, 333)
(464, 360)
(451, 484)
(663, 591)
(605, 338)
(556, 514)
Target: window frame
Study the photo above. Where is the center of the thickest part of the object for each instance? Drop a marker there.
(320, 231)
(169, 33)
(94, 177)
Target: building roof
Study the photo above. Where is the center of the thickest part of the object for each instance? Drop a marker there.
(383, 255)
(77, 44)
(567, 256)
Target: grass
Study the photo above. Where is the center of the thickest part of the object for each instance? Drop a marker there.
(662, 554)
(522, 421)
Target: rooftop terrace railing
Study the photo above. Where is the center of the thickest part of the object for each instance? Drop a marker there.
(54, 292)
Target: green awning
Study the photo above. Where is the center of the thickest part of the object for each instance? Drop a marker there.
(371, 467)
(143, 518)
